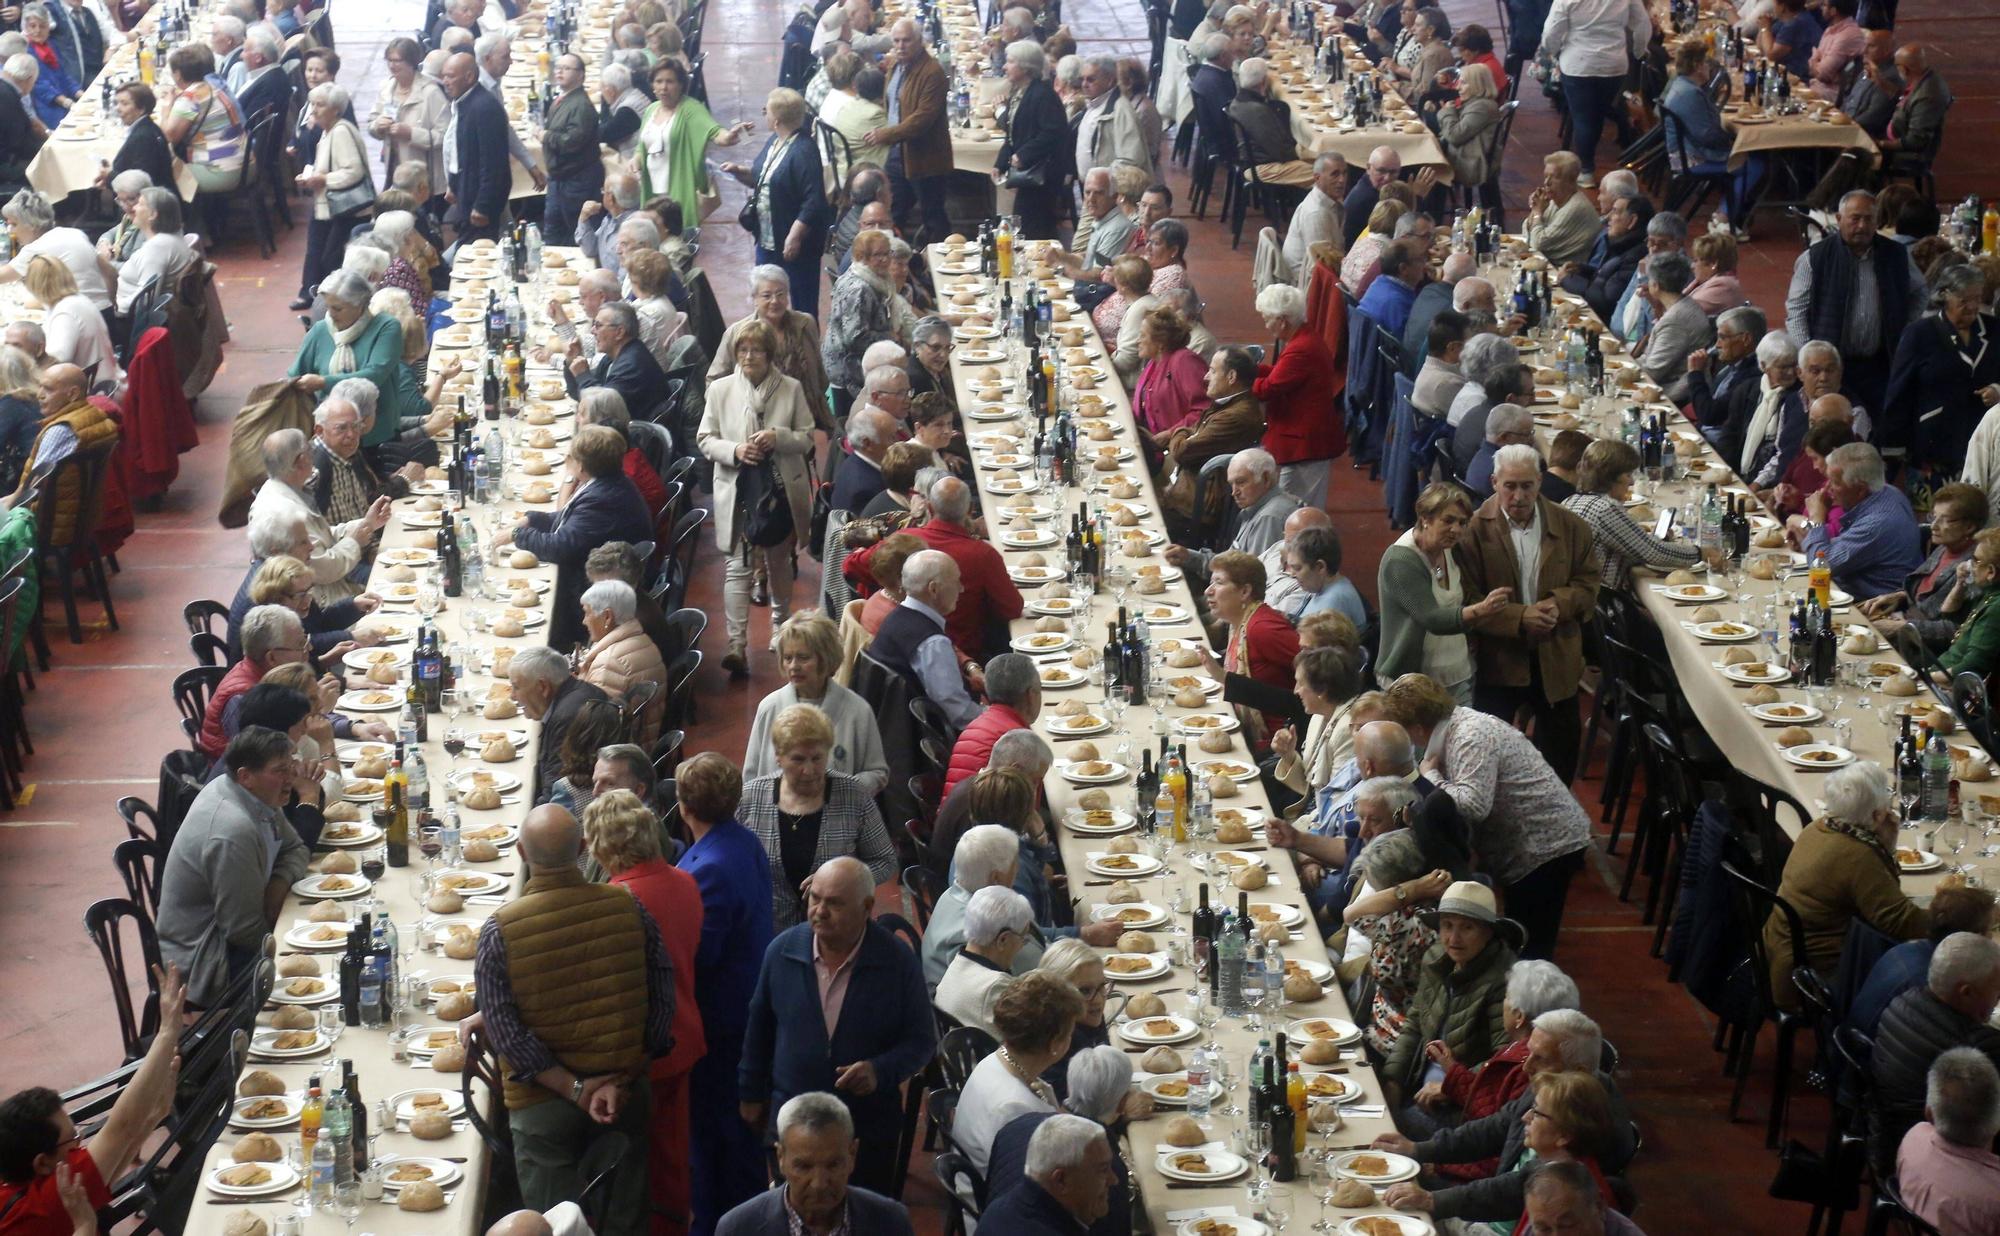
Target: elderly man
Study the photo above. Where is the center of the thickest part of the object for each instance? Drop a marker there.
(1283, 592)
(1872, 96)
(1822, 373)
(1013, 701)
(1261, 511)
(1631, 318)
(548, 692)
(1233, 421)
(1508, 424)
(476, 144)
(1679, 327)
(69, 422)
(1213, 81)
(987, 599)
(22, 133)
(1917, 124)
(570, 141)
(1562, 1199)
(1858, 293)
(1946, 1170)
(232, 862)
(1528, 829)
(919, 127)
(1384, 166)
(1186, 302)
(859, 477)
(1319, 219)
(494, 51)
(276, 532)
(1023, 749)
(912, 642)
(337, 548)
(840, 1006)
(1723, 380)
(817, 1150)
(1267, 121)
(1879, 541)
(1951, 1010)
(1494, 376)
(578, 335)
(1066, 1183)
(885, 386)
(1561, 223)
(623, 363)
(1390, 296)
(344, 484)
(598, 223)
(258, 84)
(1440, 379)
(999, 923)
(1433, 298)
(1341, 823)
(1111, 231)
(1530, 652)
(225, 42)
(571, 1078)
(1107, 130)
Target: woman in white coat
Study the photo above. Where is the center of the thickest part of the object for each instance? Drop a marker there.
(621, 655)
(412, 114)
(755, 416)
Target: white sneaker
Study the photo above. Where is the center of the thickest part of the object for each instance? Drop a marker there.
(777, 621)
(1586, 181)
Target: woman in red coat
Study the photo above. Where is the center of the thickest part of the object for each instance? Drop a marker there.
(1172, 389)
(624, 838)
(1261, 644)
(1302, 427)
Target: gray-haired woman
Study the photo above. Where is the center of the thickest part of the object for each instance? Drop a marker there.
(1029, 162)
(930, 362)
(163, 253)
(1945, 375)
(798, 354)
(340, 164)
(1462, 1094)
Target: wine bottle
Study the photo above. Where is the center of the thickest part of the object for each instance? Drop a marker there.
(1202, 934)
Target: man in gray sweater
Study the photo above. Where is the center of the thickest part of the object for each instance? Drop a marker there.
(231, 864)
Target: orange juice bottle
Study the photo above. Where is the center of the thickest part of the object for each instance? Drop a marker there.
(1003, 248)
(1174, 783)
(309, 1118)
(1989, 229)
(146, 58)
(1820, 581)
(1295, 1098)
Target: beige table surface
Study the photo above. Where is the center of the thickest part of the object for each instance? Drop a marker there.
(1798, 132)
(1230, 1035)
(400, 891)
(86, 140)
(1316, 129)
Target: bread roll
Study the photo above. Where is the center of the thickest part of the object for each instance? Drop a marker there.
(1183, 1131)
(522, 560)
(1123, 845)
(422, 1195)
(1215, 742)
(445, 901)
(1183, 658)
(1794, 736)
(340, 862)
(1160, 1059)
(1189, 697)
(1233, 832)
(1084, 657)
(1861, 643)
(1761, 568)
(1250, 878)
(1223, 787)
(398, 574)
(1273, 933)
(461, 946)
(449, 1059)
(430, 1126)
(372, 767)
(1760, 695)
(1135, 942)
(1899, 685)
(524, 598)
(327, 912)
(1301, 987)
(1682, 577)
(1319, 1051)
(297, 967)
(259, 1082)
(1123, 892)
(480, 851)
(1706, 613)
(292, 1017)
(1351, 1194)
(484, 797)
(257, 1148)
(341, 812)
(1146, 1004)
(1084, 751)
(1972, 769)
(1051, 626)
(1740, 656)
(1094, 800)
(501, 710)
(245, 1223)
(454, 1007)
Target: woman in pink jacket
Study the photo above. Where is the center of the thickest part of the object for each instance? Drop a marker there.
(1172, 389)
(621, 656)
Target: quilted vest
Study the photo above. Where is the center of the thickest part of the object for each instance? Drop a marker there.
(94, 430)
(576, 956)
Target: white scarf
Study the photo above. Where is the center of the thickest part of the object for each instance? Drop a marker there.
(1763, 423)
(343, 343)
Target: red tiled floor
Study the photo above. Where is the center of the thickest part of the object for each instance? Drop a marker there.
(101, 718)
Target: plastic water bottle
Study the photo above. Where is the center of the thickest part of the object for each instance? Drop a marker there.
(534, 247)
(1198, 1071)
(1229, 945)
(337, 1127)
(450, 835)
(322, 1172)
(371, 993)
(1274, 972)
(1201, 809)
(1253, 977)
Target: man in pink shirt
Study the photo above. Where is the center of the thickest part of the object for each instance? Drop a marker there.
(1945, 1169)
(1840, 45)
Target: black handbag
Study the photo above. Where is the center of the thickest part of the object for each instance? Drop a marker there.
(770, 511)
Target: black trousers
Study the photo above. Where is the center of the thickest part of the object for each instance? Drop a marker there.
(1536, 902)
(1558, 731)
(924, 195)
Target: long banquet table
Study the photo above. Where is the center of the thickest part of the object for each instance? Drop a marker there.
(465, 621)
(1166, 1205)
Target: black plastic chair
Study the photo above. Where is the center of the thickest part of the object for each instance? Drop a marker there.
(687, 626)
(1969, 701)
(921, 889)
(1752, 905)
(680, 698)
(483, 1067)
(132, 809)
(1890, 1216)
(638, 697)
(106, 922)
(209, 649)
(959, 1052)
(192, 689)
(963, 1187)
(595, 1169)
(205, 617)
(933, 723)
(138, 860)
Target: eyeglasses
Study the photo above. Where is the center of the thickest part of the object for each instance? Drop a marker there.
(1094, 990)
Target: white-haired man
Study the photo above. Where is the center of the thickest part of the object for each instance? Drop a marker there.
(344, 483)
(1111, 229)
(1530, 652)
(549, 692)
(985, 856)
(1320, 217)
(1267, 121)
(1561, 223)
(912, 642)
(21, 131)
(495, 54)
(1065, 1184)
(986, 599)
(1107, 130)
(858, 478)
(1857, 292)
(1508, 424)
(1282, 591)
(336, 549)
(1945, 1168)
(816, 1154)
(1879, 543)
(598, 222)
(1952, 1009)
(260, 85)
(1261, 511)
(999, 923)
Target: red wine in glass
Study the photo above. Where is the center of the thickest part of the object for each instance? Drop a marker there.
(430, 843)
(373, 866)
(454, 746)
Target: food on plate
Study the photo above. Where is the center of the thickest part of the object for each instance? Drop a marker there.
(305, 987)
(260, 1082)
(296, 967)
(265, 1109)
(257, 1148)
(1908, 857)
(1172, 1089)
(1368, 1165)
(405, 1172)
(1135, 941)
(1232, 832)
(1763, 695)
(1819, 757)
(1091, 768)
(335, 884)
(1122, 892)
(245, 1176)
(1194, 1164)
(420, 1196)
(1182, 1130)
(1302, 987)
(1250, 879)
(449, 1059)
(1350, 1194)
(1057, 674)
(1794, 736)
(292, 1017)
(1117, 964)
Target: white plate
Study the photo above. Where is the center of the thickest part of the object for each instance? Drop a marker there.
(1140, 865)
(1840, 600)
(1121, 821)
(1164, 615)
(260, 1045)
(505, 782)
(994, 412)
(1287, 915)
(391, 631)
(371, 795)
(464, 983)
(1072, 772)
(1042, 641)
(1139, 509)
(1153, 1086)
(1302, 1031)
(501, 835)
(528, 618)
(423, 519)
(1693, 594)
(442, 1171)
(1400, 1168)
(366, 701)
(1201, 682)
(1800, 756)
(1136, 1032)
(1059, 677)
(300, 936)
(1005, 459)
(1015, 485)
(1224, 1165)
(405, 1101)
(1797, 714)
(294, 1102)
(315, 886)
(1926, 861)
(1342, 1088)
(1146, 916)
(362, 833)
(1237, 860)
(1069, 727)
(1727, 632)
(1218, 768)
(1409, 1225)
(420, 1040)
(1749, 672)
(282, 1178)
(329, 990)
(976, 332)
(477, 883)
(1033, 574)
(1036, 538)
(1053, 607)
(1207, 723)
(1156, 965)
(365, 659)
(1320, 973)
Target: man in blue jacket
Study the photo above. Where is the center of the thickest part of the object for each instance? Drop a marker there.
(475, 160)
(840, 1006)
(816, 1148)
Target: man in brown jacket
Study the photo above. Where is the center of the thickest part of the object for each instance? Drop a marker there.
(1530, 651)
(919, 128)
(1233, 421)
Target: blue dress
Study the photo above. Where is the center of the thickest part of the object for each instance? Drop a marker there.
(52, 84)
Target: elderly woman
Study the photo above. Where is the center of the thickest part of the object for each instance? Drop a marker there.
(1571, 1120)
(1324, 679)
(1134, 83)
(1391, 911)
(413, 112)
(621, 656)
(1030, 161)
(21, 414)
(285, 580)
(32, 219)
(1367, 248)
(1680, 327)
(1261, 643)
(1131, 279)
(74, 330)
(861, 313)
(805, 814)
(930, 362)
(809, 652)
(1468, 1093)
(1945, 375)
(1763, 436)
(1934, 593)
(1428, 52)
(337, 182)
(674, 136)
(797, 334)
(1463, 984)
(604, 505)
(1469, 124)
(1716, 288)
(997, 923)
(1842, 868)
(1975, 646)
(411, 256)
(886, 566)
(1033, 1017)
(1299, 431)
(1007, 797)
(204, 123)
(353, 341)
(787, 215)
(1603, 486)
(162, 255)
(620, 106)
(934, 427)
(1082, 967)
(661, 324)
(623, 837)
(55, 90)
(145, 148)
(758, 431)
(1424, 612)
(1172, 390)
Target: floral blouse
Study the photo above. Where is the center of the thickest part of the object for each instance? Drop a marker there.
(1398, 941)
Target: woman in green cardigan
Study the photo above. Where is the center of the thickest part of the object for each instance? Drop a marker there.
(353, 342)
(1976, 646)
(674, 136)
(1424, 615)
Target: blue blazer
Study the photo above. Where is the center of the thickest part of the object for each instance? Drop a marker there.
(734, 876)
(485, 176)
(886, 1019)
(1007, 1162)
(798, 193)
(868, 1214)
(272, 91)
(607, 509)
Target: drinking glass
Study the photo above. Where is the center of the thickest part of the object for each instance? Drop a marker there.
(347, 1204)
(1950, 838)
(1278, 1205)
(331, 1024)
(1225, 1077)
(1324, 1117)
(1324, 1181)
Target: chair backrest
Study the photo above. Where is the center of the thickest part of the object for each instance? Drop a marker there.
(1753, 904)
(959, 1052)
(680, 702)
(138, 860)
(209, 649)
(687, 626)
(632, 709)
(1969, 701)
(932, 722)
(595, 1169)
(1891, 1216)
(192, 689)
(963, 1186)
(133, 810)
(903, 929)
(483, 1066)
(1501, 133)
(202, 616)
(181, 778)
(928, 789)
(666, 753)
(106, 922)
(921, 889)
(941, 1105)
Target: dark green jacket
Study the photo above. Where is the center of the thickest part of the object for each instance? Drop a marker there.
(1461, 1007)
(1976, 647)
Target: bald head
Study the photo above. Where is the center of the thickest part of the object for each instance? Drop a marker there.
(461, 73)
(522, 1223)
(844, 877)
(1382, 749)
(1306, 517)
(551, 838)
(1831, 409)
(61, 388)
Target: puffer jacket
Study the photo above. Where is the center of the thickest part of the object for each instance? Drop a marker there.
(621, 660)
(975, 743)
(1462, 1007)
(1913, 1033)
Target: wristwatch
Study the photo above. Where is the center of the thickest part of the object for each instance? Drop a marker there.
(576, 1091)
(1402, 895)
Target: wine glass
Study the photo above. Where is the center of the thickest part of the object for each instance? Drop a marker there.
(1951, 837)
(1278, 1205)
(1907, 797)
(1324, 1181)
(1225, 1077)
(347, 1203)
(430, 843)
(1323, 1114)
(454, 744)
(331, 1023)
(430, 598)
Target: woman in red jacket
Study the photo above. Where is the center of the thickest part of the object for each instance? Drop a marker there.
(1533, 988)
(1261, 643)
(1301, 421)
